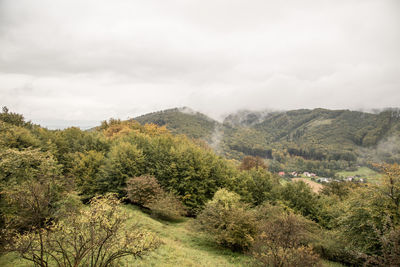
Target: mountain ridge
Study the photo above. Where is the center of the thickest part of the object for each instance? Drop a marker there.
(341, 138)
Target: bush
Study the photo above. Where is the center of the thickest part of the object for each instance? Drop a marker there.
(167, 207)
(143, 190)
(228, 220)
(283, 240)
(300, 256)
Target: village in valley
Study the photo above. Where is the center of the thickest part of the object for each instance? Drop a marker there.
(316, 182)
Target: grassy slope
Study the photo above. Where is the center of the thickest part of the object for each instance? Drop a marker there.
(182, 247)
(364, 172)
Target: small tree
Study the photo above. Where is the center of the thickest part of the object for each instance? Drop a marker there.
(167, 206)
(256, 186)
(228, 220)
(250, 162)
(283, 241)
(96, 236)
(143, 190)
(300, 198)
(30, 187)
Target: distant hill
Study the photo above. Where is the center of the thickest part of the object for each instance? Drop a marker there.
(182, 121)
(339, 136)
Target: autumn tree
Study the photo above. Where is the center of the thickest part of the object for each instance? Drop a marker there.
(250, 162)
(283, 240)
(143, 189)
(96, 236)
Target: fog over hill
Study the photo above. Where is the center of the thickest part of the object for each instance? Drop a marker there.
(340, 138)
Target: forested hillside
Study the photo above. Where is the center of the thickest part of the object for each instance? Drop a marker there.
(182, 121)
(79, 198)
(324, 140)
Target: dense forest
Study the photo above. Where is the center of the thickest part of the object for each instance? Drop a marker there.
(65, 195)
(320, 140)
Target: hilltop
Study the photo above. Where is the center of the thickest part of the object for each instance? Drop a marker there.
(182, 121)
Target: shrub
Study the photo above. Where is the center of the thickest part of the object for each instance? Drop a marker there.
(147, 192)
(300, 256)
(143, 190)
(167, 207)
(228, 220)
(283, 240)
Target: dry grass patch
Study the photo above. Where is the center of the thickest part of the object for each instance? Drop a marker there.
(316, 187)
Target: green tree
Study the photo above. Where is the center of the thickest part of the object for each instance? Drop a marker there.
(228, 220)
(16, 137)
(371, 212)
(86, 170)
(123, 161)
(12, 118)
(31, 188)
(256, 186)
(299, 197)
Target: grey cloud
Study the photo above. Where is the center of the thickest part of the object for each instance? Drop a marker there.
(90, 60)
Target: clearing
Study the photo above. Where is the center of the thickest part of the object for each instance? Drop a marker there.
(363, 172)
(316, 187)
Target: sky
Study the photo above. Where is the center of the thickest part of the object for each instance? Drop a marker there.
(78, 62)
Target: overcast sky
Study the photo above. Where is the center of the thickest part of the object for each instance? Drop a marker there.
(79, 62)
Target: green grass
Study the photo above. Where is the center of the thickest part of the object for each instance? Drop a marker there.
(326, 263)
(12, 260)
(182, 246)
(364, 172)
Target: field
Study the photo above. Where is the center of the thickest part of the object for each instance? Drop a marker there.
(182, 247)
(316, 187)
(363, 172)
